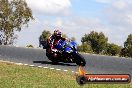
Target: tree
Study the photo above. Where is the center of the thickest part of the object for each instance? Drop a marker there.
(128, 42)
(123, 52)
(113, 49)
(97, 41)
(29, 46)
(43, 38)
(85, 48)
(127, 50)
(64, 35)
(13, 15)
(72, 38)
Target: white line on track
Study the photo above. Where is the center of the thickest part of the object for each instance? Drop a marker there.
(65, 70)
(45, 67)
(25, 64)
(32, 65)
(40, 66)
(52, 68)
(72, 71)
(58, 69)
(37, 66)
(18, 63)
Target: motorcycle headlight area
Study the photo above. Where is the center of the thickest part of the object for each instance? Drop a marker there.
(68, 50)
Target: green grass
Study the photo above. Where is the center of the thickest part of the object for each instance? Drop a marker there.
(14, 76)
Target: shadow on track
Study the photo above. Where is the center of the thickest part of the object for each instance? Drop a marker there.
(47, 62)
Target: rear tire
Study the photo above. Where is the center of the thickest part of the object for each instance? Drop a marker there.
(53, 60)
(50, 57)
(79, 59)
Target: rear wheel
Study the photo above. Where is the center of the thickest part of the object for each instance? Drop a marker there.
(54, 61)
(50, 56)
(80, 60)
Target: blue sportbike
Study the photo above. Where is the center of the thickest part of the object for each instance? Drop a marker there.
(66, 52)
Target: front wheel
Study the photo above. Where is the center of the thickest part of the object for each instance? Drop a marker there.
(79, 59)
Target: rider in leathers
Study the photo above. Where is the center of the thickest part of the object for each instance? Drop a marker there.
(53, 40)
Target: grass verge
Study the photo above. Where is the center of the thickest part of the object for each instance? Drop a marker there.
(14, 76)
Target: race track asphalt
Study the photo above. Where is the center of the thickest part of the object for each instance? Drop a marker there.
(95, 64)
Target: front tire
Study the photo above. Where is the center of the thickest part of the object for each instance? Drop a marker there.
(79, 59)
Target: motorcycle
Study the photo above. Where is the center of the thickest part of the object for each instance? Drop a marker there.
(66, 52)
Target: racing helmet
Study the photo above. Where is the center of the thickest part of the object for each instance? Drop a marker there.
(57, 33)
